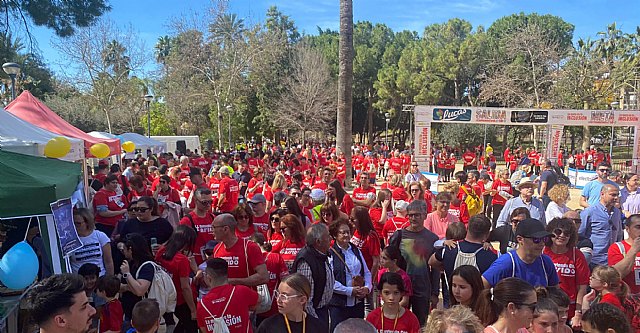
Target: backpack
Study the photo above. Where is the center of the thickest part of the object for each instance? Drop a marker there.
(474, 204)
(464, 258)
(561, 177)
(219, 325)
(162, 288)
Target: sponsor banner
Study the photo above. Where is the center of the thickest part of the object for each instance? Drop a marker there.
(490, 115)
(530, 116)
(579, 178)
(63, 216)
(451, 114)
(602, 117)
(423, 141)
(636, 147)
(555, 139)
(433, 177)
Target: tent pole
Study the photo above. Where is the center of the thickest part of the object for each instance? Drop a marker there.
(86, 181)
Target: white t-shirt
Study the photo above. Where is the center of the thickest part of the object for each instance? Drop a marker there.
(90, 252)
(553, 211)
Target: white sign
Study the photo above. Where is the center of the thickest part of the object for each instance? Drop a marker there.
(579, 178)
(433, 177)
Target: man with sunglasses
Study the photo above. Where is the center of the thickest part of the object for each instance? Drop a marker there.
(602, 223)
(527, 261)
(591, 191)
(200, 219)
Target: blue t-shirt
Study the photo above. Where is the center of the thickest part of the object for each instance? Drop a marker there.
(541, 272)
(592, 189)
(484, 258)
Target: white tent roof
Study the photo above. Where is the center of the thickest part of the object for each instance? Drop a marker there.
(19, 136)
(143, 143)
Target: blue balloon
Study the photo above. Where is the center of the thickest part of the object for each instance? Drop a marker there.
(19, 266)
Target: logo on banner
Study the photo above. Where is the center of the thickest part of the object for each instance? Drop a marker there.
(602, 117)
(576, 116)
(628, 117)
(491, 115)
(452, 114)
(538, 117)
(423, 143)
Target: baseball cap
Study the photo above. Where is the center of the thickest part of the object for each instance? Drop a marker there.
(317, 194)
(258, 198)
(532, 228)
(401, 205)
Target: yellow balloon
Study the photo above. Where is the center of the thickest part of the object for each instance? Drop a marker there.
(100, 150)
(57, 147)
(129, 146)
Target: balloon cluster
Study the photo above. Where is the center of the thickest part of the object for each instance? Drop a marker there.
(19, 266)
(57, 147)
(100, 150)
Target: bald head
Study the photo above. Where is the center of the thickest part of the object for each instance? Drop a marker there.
(225, 219)
(609, 195)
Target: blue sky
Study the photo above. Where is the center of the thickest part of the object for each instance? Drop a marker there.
(151, 18)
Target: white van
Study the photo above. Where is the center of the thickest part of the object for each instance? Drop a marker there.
(180, 142)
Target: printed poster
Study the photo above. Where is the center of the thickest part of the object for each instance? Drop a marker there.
(67, 235)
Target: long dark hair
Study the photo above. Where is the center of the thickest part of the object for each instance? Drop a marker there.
(294, 208)
(473, 278)
(362, 221)
(492, 302)
(182, 238)
(140, 249)
(340, 192)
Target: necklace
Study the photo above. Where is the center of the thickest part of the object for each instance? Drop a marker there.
(394, 323)
(304, 323)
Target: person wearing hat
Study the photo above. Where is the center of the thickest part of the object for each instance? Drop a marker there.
(526, 262)
(228, 192)
(525, 199)
(258, 204)
(317, 199)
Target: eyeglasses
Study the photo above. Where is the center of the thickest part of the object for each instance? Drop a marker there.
(296, 194)
(537, 240)
(515, 221)
(284, 297)
(559, 232)
(415, 190)
(414, 215)
(531, 306)
(205, 202)
(140, 209)
(275, 219)
(604, 170)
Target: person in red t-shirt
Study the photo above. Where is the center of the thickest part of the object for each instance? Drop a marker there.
(244, 216)
(200, 220)
(336, 194)
(164, 193)
(366, 239)
(225, 299)
(396, 222)
(501, 191)
(293, 241)
(625, 256)
(109, 206)
(138, 189)
(227, 193)
(277, 271)
(179, 266)
(605, 281)
(395, 163)
(256, 183)
(365, 194)
(260, 216)
(469, 160)
(381, 212)
(391, 316)
(112, 314)
(246, 263)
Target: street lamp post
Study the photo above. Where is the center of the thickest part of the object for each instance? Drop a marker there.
(386, 129)
(229, 112)
(613, 107)
(12, 69)
(147, 100)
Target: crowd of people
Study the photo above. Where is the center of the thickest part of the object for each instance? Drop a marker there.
(270, 240)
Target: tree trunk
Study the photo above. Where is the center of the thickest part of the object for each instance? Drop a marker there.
(369, 115)
(345, 85)
(220, 145)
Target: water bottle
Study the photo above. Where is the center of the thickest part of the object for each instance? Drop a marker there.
(505, 194)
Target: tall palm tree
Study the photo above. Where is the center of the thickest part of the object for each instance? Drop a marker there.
(162, 48)
(227, 29)
(345, 85)
(113, 55)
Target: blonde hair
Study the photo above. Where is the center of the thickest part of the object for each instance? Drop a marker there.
(279, 182)
(559, 193)
(611, 276)
(440, 320)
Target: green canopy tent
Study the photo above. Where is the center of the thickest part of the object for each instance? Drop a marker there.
(28, 185)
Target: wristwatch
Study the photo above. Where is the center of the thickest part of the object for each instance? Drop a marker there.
(125, 275)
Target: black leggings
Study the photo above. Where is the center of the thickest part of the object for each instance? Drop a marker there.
(185, 324)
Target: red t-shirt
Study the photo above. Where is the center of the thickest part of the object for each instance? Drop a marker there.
(376, 214)
(275, 239)
(230, 188)
(261, 223)
(252, 183)
(369, 246)
(111, 316)
(288, 250)
(178, 267)
(612, 299)
(204, 230)
(237, 314)
(498, 185)
(361, 194)
(393, 224)
(468, 158)
(277, 271)
(134, 195)
(407, 323)
(240, 266)
(615, 256)
(247, 233)
(347, 205)
(108, 200)
(399, 193)
(428, 198)
(460, 211)
(573, 271)
(395, 163)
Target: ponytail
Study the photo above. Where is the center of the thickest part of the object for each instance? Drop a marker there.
(492, 302)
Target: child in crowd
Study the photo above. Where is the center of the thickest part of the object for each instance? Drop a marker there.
(391, 260)
(145, 317)
(198, 281)
(111, 316)
(603, 318)
(607, 287)
(392, 316)
(545, 317)
(90, 273)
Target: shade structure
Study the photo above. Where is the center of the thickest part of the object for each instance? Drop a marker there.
(19, 136)
(32, 110)
(143, 143)
(29, 183)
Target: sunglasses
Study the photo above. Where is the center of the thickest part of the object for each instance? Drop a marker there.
(604, 170)
(163, 182)
(415, 190)
(515, 221)
(140, 209)
(415, 165)
(296, 194)
(559, 232)
(205, 202)
(538, 240)
(275, 219)
(326, 214)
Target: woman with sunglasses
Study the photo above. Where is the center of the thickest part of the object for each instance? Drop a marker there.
(147, 223)
(329, 213)
(572, 267)
(164, 193)
(176, 258)
(291, 297)
(244, 216)
(274, 235)
(294, 239)
(508, 307)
